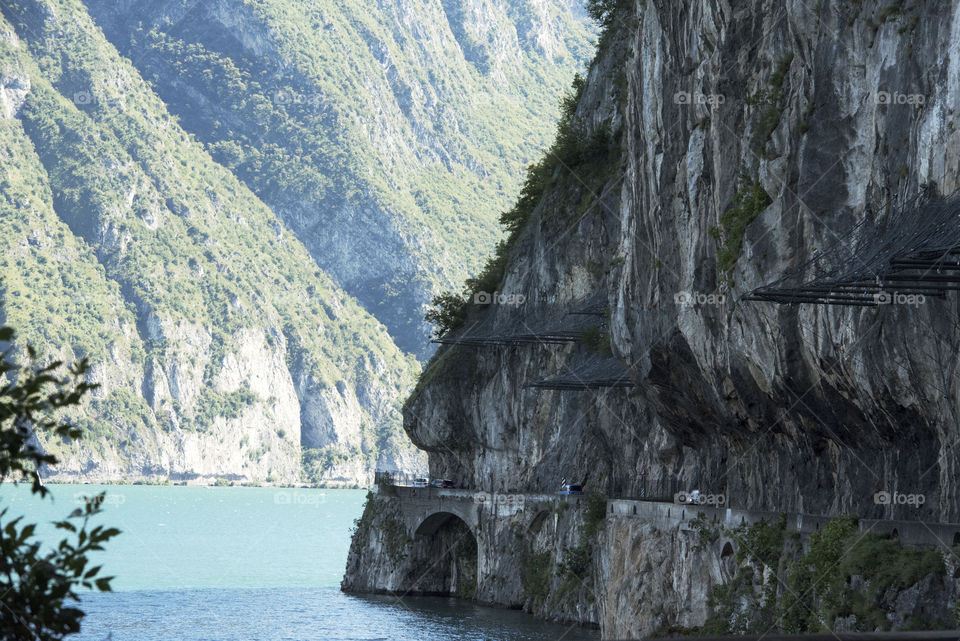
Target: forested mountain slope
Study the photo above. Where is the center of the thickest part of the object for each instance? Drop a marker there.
(135, 232)
(387, 135)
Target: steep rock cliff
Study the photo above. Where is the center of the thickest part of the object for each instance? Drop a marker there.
(752, 134)
(807, 408)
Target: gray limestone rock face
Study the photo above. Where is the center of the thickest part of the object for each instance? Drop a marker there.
(808, 408)
(840, 114)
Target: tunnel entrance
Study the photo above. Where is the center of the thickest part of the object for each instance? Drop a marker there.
(449, 551)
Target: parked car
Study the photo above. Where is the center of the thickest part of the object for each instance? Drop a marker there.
(436, 483)
(572, 488)
(447, 483)
(421, 482)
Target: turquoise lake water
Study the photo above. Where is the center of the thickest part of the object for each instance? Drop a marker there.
(243, 564)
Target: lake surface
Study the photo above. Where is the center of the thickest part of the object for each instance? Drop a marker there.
(225, 564)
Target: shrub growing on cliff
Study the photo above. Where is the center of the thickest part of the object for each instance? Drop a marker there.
(447, 313)
(771, 104)
(761, 542)
(316, 462)
(597, 341)
(707, 530)
(213, 404)
(751, 199)
(727, 602)
(575, 562)
(605, 11)
(746, 604)
(536, 572)
(39, 587)
(465, 558)
(818, 586)
(595, 516)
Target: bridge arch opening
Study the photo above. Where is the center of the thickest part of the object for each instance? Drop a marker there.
(537, 523)
(728, 560)
(449, 546)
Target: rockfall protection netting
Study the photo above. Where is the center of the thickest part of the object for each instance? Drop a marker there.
(595, 373)
(553, 325)
(596, 305)
(915, 253)
(543, 325)
(480, 338)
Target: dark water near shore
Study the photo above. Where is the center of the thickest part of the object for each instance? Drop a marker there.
(239, 564)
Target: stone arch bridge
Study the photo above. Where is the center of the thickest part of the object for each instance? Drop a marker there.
(426, 540)
(424, 510)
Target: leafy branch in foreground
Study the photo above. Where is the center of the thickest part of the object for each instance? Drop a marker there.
(39, 585)
(29, 401)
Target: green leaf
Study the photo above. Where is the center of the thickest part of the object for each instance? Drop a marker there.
(65, 525)
(108, 533)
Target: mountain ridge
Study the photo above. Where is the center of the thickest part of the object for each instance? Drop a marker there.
(223, 350)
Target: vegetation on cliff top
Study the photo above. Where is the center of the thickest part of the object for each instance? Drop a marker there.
(575, 151)
(589, 154)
